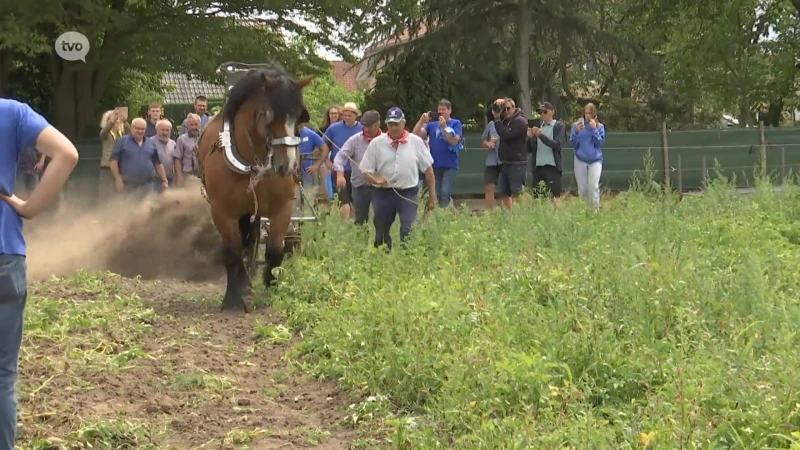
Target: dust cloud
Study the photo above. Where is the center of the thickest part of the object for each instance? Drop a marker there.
(169, 236)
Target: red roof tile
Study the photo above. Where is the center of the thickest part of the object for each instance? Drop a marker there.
(345, 74)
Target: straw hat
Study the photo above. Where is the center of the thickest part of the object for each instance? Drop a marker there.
(350, 106)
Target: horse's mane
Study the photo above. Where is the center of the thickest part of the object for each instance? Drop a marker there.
(285, 98)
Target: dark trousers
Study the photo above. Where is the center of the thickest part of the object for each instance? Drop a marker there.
(362, 198)
(388, 203)
(551, 177)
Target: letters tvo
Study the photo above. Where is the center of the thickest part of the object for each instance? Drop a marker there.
(71, 46)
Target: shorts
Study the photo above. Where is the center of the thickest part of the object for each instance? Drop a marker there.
(551, 177)
(490, 175)
(511, 180)
(346, 193)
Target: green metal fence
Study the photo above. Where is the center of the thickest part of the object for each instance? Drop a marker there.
(690, 154)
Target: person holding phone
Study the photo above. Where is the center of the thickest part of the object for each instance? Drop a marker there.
(588, 136)
(544, 144)
(113, 125)
(444, 134)
(491, 142)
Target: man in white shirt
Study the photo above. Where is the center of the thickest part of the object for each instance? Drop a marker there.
(392, 163)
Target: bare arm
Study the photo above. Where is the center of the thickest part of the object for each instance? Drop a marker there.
(419, 129)
(324, 151)
(106, 129)
(64, 158)
(430, 180)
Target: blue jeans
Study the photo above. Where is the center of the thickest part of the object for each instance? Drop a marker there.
(445, 178)
(13, 295)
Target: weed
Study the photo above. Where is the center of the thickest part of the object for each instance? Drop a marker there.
(658, 323)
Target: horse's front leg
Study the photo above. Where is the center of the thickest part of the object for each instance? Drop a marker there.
(278, 226)
(232, 258)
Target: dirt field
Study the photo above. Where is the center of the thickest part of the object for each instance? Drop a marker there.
(116, 363)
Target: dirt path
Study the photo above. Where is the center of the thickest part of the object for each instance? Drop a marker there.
(155, 365)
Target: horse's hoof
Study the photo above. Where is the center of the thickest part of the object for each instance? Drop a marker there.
(234, 307)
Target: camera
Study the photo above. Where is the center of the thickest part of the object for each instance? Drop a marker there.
(497, 108)
(434, 116)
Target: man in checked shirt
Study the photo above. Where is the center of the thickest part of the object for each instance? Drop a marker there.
(184, 157)
(354, 149)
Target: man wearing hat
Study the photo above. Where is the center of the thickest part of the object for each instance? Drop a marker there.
(392, 163)
(337, 134)
(545, 144)
(353, 151)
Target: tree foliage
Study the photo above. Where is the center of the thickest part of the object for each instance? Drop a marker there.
(324, 92)
(148, 37)
(681, 62)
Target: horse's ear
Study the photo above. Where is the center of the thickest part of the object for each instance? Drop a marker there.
(305, 81)
(267, 81)
(305, 117)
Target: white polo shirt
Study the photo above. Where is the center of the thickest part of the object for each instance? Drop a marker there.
(401, 166)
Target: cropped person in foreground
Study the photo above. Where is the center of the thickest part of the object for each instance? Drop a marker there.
(588, 136)
(21, 127)
(392, 163)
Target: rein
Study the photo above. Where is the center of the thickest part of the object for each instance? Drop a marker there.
(356, 163)
(260, 168)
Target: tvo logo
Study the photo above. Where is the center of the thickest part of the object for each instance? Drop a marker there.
(72, 46)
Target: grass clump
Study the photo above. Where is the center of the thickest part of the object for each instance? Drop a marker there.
(657, 323)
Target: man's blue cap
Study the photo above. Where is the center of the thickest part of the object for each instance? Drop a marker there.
(395, 115)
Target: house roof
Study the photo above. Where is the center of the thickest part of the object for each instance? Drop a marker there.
(345, 74)
(181, 89)
(395, 40)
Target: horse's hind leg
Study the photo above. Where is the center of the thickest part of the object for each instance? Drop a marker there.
(278, 225)
(228, 228)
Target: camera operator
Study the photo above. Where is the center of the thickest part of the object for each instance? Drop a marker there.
(512, 127)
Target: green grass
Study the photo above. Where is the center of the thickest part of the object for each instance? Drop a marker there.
(656, 323)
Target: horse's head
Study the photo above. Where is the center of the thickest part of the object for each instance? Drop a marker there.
(277, 120)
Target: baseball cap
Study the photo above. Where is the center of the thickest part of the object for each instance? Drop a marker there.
(395, 115)
(370, 118)
(545, 106)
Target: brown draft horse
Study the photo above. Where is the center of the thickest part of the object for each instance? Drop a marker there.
(248, 158)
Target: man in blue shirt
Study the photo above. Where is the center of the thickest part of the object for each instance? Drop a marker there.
(445, 141)
(310, 141)
(337, 134)
(21, 127)
(135, 162)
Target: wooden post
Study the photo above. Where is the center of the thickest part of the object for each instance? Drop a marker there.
(665, 145)
(763, 149)
(703, 178)
(783, 165)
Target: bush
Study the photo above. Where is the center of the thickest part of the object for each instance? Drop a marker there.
(657, 323)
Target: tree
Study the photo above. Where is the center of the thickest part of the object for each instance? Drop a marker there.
(507, 28)
(196, 36)
(324, 92)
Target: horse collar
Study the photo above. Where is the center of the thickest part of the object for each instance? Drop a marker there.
(233, 159)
